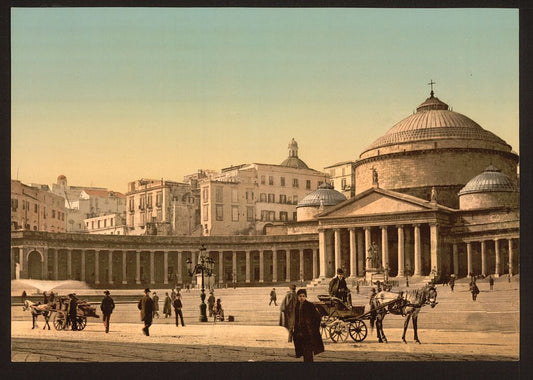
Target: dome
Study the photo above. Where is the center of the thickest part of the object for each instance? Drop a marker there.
(324, 195)
(491, 180)
(293, 161)
(433, 120)
(60, 177)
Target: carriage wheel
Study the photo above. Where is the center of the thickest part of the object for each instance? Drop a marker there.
(81, 322)
(338, 331)
(60, 321)
(325, 323)
(358, 330)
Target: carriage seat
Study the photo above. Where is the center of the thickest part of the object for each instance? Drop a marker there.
(333, 301)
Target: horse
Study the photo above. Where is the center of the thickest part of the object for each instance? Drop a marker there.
(379, 305)
(411, 303)
(36, 310)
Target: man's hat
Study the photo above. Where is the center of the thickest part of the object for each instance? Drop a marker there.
(301, 291)
(340, 271)
(293, 287)
(147, 290)
(106, 292)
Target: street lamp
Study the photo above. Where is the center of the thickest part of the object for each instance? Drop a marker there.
(205, 266)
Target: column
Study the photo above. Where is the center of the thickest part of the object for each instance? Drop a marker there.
(193, 264)
(434, 248)
(69, 264)
(21, 261)
(455, 259)
(418, 252)
(315, 266)
(368, 242)
(360, 252)
(469, 258)
(401, 252)
(180, 267)
(220, 267)
(83, 264)
(110, 277)
(511, 257)
(483, 258)
(338, 262)
(56, 264)
(124, 266)
(302, 275)
(247, 266)
(96, 267)
(261, 266)
(152, 268)
(497, 268)
(288, 264)
(45, 264)
(384, 247)
(234, 266)
(274, 265)
(353, 254)
(322, 252)
(137, 267)
(165, 267)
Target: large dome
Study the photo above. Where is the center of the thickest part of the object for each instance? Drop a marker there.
(325, 195)
(434, 121)
(491, 180)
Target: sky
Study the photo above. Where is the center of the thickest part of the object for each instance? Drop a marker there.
(106, 96)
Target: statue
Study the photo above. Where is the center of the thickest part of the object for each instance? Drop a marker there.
(374, 177)
(433, 194)
(373, 255)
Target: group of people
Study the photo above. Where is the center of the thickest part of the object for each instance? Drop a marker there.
(149, 307)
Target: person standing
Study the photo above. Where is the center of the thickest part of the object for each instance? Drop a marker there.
(452, 282)
(172, 295)
(287, 309)
(491, 283)
(474, 289)
(146, 306)
(107, 307)
(177, 310)
(306, 336)
(337, 286)
(156, 305)
(167, 307)
(51, 297)
(373, 313)
(72, 311)
(45, 298)
(273, 297)
(24, 295)
(211, 302)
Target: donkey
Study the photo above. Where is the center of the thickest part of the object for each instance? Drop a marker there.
(36, 310)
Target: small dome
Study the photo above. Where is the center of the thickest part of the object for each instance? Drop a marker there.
(491, 180)
(60, 177)
(324, 195)
(293, 161)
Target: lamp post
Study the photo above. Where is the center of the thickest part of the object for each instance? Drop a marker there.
(205, 266)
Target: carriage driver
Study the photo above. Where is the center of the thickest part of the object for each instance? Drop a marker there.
(337, 286)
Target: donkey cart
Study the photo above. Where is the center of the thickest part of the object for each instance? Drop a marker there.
(83, 310)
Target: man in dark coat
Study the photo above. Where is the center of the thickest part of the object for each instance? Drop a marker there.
(287, 309)
(273, 297)
(107, 307)
(337, 286)
(211, 303)
(307, 339)
(146, 305)
(72, 311)
(177, 310)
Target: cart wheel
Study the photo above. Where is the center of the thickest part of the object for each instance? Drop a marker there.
(59, 321)
(358, 330)
(81, 322)
(325, 323)
(338, 331)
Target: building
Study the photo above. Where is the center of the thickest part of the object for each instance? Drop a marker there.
(342, 177)
(34, 208)
(108, 224)
(164, 208)
(246, 199)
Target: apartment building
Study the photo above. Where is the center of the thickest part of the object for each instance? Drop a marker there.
(109, 224)
(342, 177)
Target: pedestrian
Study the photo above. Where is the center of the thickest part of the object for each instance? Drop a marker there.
(474, 289)
(172, 295)
(509, 278)
(177, 310)
(24, 295)
(218, 310)
(357, 287)
(146, 306)
(452, 282)
(45, 298)
(306, 335)
(287, 308)
(167, 307)
(373, 313)
(273, 297)
(51, 297)
(211, 302)
(72, 311)
(156, 305)
(188, 288)
(107, 306)
(491, 283)
(337, 286)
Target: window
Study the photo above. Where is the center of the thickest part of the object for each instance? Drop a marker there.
(142, 202)
(14, 204)
(294, 215)
(159, 199)
(53, 213)
(220, 212)
(272, 216)
(295, 182)
(150, 201)
(132, 220)
(249, 195)
(270, 180)
(44, 212)
(282, 198)
(283, 216)
(264, 215)
(87, 223)
(271, 198)
(219, 194)
(105, 223)
(132, 204)
(235, 213)
(343, 183)
(295, 199)
(111, 222)
(36, 208)
(92, 224)
(234, 196)
(282, 181)
(204, 212)
(205, 194)
(98, 224)
(262, 180)
(308, 184)
(159, 215)
(343, 171)
(250, 213)
(262, 197)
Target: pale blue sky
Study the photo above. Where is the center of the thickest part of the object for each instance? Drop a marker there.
(109, 95)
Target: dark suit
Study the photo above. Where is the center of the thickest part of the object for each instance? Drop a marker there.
(177, 309)
(107, 307)
(307, 339)
(147, 312)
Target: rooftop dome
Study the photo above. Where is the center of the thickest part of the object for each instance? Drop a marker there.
(61, 176)
(324, 195)
(433, 120)
(492, 179)
(293, 161)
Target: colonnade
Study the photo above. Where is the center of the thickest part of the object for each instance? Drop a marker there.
(481, 261)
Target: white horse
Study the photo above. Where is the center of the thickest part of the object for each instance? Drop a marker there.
(379, 305)
(36, 310)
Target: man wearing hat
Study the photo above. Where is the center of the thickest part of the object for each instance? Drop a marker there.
(307, 339)
(107, 307)
(287, 307)
(337, 286)
(146, 305)
(211, 302)
(72, 311)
